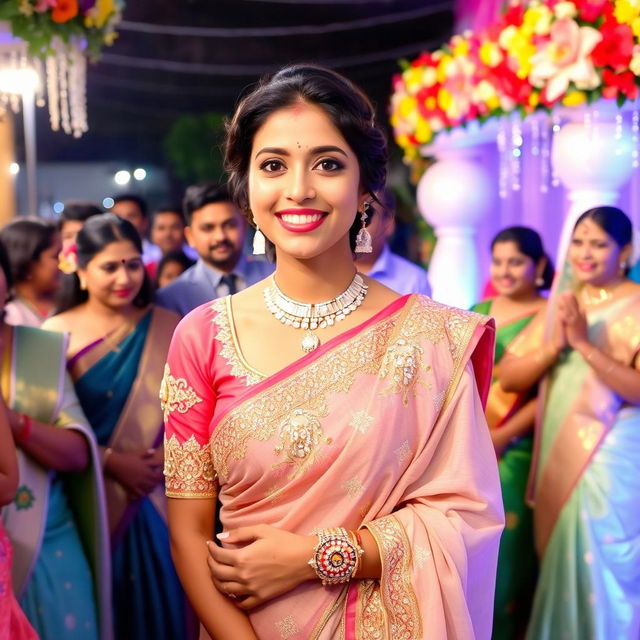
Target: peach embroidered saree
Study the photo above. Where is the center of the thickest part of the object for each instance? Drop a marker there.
(381, 427)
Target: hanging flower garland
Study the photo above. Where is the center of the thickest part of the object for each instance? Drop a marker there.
(55, 38)
(539, 54)
(39, 22)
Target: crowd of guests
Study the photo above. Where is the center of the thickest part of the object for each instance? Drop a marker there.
(83, 355)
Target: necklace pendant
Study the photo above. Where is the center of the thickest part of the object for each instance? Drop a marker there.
(309, 342)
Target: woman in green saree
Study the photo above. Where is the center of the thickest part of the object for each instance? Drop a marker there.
(118, 344)
(56, 523)
(585, 479)
(519, 270)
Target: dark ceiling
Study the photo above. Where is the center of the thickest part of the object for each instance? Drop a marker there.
(192, 56)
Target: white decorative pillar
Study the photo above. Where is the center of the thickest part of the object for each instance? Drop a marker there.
(592, 158)
(454, 195)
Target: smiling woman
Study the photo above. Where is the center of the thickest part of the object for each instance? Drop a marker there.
(584, 480)
(340, 424)
(117, 345)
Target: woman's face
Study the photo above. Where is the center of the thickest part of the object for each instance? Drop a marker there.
(170, 271)
(513, 274)
(44, 275)
(304, 182)
(114, 276)
(594, 255)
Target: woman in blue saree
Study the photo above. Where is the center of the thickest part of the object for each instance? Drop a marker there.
(117, 347)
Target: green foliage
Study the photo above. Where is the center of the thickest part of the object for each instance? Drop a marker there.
(193, 147)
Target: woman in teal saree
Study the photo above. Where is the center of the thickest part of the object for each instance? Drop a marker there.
(519, 270)
(118, 346)
(584, 480)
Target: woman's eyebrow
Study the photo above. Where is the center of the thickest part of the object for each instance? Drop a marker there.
(316, 150)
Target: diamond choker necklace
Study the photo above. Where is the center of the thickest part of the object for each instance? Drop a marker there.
(318, 315)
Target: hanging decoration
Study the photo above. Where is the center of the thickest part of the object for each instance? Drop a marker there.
(539, 55)
(55, 38)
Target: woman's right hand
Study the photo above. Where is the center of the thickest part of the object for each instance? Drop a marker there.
(139, 472)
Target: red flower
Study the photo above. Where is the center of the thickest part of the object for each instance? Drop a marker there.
(619, 83)
(64, 10)
(591, 10)
(615, 48)
(514, 14)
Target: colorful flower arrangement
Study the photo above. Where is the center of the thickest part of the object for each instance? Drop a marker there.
(38, 22)
(539, 54)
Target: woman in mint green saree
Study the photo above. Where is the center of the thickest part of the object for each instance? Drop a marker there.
(117, 351)
(519, 270)
(57, 521)
(585, 480)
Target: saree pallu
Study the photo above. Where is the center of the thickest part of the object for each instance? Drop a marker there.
(117, 382)
(587, 511)
(57, 522)
(517, 558)
(381, 427)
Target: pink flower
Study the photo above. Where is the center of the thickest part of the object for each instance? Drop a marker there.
(44, 5)
(565, 58)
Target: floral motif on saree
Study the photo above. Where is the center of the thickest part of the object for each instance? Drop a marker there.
(188, 469)
(176, 394)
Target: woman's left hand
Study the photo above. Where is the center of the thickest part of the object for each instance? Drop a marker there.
(574, 320)
(265, 563)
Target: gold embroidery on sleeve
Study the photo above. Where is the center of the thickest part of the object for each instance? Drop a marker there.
(188, 469)
(176, 394)
(398, 596)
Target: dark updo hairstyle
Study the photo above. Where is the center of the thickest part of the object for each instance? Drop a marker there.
(529, 244)
(613, 221)
(347, 107)
(96, 234)
(25, 239)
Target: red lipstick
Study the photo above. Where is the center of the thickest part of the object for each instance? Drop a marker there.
(301, 220)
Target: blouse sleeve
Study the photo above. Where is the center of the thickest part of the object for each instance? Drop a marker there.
(188, 401)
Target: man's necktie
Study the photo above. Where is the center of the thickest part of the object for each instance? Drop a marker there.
(229, 279)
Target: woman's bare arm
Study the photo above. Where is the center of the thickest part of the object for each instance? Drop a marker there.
(53, 447)
(519, 424)
(191, 525)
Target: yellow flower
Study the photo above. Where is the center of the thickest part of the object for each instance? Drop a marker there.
(537, 19)
(444, 63)
(565, 10)
(486, 93)
(574, 98)
(519, 46)
(100, 13)
(626, 11)
(445, 99)
(407, 106)
(429, 77)
(634, 65)
(423, 131)
(534, 99)
(635, 27)
(430, 103)
(460, 46)
(490, 54)
(413, 79)
(110, 38)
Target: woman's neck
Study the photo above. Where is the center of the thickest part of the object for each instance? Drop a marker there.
(316, 279)
(42, 301)
(108, 315)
